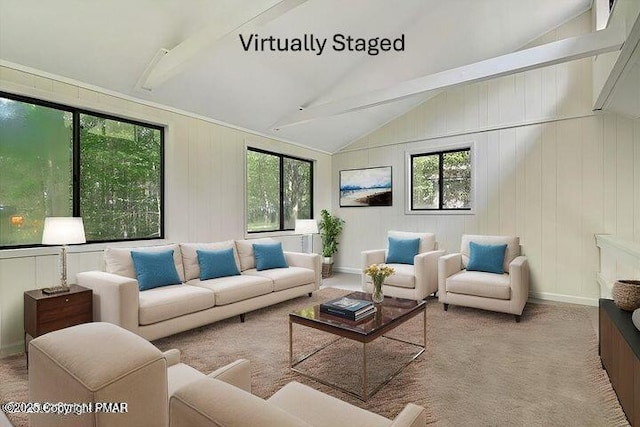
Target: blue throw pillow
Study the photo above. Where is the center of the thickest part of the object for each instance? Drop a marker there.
(402, 251)
(487, 258)
(269, 255)
(155, 269)
(217, 263)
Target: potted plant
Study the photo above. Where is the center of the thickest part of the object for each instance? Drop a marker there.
(330, 228)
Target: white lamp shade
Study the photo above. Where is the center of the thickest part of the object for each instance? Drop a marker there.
(63, 231)
(306, 226)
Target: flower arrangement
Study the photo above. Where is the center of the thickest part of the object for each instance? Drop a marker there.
(378, 272)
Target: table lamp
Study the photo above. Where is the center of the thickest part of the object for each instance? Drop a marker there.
(62, 231)
(306, 227)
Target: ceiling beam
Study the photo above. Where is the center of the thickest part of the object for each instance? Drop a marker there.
(557, 52)
(174, 61)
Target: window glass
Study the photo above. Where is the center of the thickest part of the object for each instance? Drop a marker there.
(36, 146)
(426, 182)
(120, 179)
(279, 191)
(456, 180)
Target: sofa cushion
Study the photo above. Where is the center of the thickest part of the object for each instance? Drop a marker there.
(488, 285)
(319, 409)
(404, 276)
(245, 252)
(235, 288)
(285, 278)
(269, 255)
(402, 251)
(155, 269)
(172, 301)
(118, 260)
(217, 263)
(190, 256)
(427, 240)
(487, 258)
(513, 247)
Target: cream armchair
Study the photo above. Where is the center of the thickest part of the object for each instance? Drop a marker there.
(415, 281)
(506, 293)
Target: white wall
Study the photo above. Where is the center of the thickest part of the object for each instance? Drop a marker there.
(547, 169)
(204, 188)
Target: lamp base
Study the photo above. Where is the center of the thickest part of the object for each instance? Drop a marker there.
(55, 290)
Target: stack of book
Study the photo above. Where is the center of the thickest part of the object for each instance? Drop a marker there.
(348, 308)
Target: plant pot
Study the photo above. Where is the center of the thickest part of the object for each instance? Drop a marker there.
(626, 294)
(327, 270)
(327, 260)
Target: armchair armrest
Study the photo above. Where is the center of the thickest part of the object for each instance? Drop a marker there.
(426, 268)
(115, 298)
(310, 261)
(172, 356)
(411, 416)
(447, 266)
(237, 373)
(519, 274)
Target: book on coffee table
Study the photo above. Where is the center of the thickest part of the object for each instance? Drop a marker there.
(349, 308)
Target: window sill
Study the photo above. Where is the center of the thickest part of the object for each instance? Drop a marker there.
(469, 212)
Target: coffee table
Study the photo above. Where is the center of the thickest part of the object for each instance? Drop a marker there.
(391, 313)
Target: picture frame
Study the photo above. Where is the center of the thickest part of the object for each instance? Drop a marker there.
(366, 187)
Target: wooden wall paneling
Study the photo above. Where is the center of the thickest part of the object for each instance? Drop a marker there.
(549, 210)
(533, 205)
(471, 107)
(549, 93)
(522, 137)
(569, 205)
(177, 171)
(492, 178)
(636, 181)
(507, 184)
(624, 177)
(533, 95)
(16, 276)
(507, 103)
(455, 110)
(592, 201)
(47, 271)
(610, 211)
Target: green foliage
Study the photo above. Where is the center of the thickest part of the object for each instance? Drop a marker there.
(456, 180)
(263, 191)
(330, 228)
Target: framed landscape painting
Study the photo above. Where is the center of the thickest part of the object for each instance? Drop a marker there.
(366, 187)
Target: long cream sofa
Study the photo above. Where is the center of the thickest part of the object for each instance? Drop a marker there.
(166, 310)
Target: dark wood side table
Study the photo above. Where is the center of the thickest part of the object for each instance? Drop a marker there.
(620, 355)
(46, 313)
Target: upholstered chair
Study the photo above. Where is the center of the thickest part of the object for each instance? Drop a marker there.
(505, 291)
(413, 281)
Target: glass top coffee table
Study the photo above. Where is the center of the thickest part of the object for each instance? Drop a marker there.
(391, 313)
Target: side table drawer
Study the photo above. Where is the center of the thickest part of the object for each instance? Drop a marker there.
(64, 306)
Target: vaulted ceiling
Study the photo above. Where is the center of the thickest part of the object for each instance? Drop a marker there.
(111, 43)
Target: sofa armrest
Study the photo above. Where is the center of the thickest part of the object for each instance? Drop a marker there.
(426, 268)
(237, 373)
(411, 416)
(519, 273)
(310, 261)
(448, 265)
(115, 298)
(209, 403)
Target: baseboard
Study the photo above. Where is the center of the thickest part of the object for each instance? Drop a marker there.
(347, 270)
(14, 348)
(564, 298)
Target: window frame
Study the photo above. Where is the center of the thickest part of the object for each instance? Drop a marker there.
(281, 158)
(440, 150)
(76, 166)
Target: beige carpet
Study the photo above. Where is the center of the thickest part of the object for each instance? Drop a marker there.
(480, 368)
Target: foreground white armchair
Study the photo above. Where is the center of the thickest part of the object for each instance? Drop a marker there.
(100, 362)
(415, 281)
(506, 293)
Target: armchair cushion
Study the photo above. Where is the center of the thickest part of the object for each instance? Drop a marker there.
(481, 284)
(404, 277)
(167, 302)
(487, 258)
(402, 251)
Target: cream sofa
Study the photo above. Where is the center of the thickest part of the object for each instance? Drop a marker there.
(166, 310)
(506, 293)
(100, 362)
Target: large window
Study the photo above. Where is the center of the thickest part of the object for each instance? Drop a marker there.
(61, 161)
(279, 191)
(441, 180)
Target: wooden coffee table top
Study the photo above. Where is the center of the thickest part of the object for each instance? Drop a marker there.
(391, 313)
